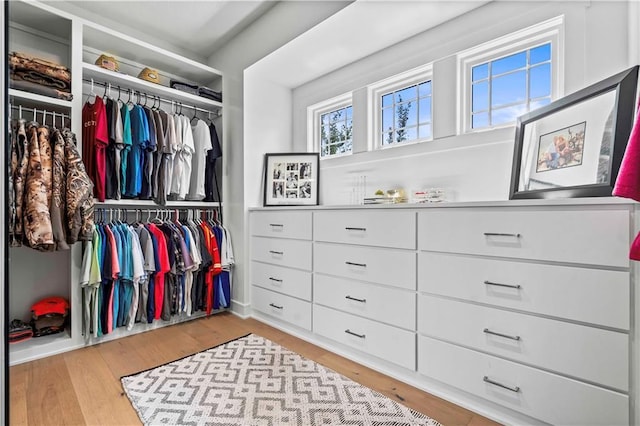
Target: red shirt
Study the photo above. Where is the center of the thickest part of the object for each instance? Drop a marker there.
(163, 258)
(95, 139)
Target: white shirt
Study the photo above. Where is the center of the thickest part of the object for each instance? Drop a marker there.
(202, 143)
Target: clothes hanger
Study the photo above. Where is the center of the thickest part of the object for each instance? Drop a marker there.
(92, 93)
(195, 111)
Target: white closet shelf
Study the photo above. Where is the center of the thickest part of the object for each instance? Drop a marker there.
(153, 205)
(35, 347)
(127, 81)
(35, 98)
(124, 46)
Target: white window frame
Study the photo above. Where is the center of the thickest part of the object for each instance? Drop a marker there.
(550, 31)
(315, 112)
(375, 92)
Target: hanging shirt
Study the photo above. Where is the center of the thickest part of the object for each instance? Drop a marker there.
(95, 139)
(126, 147)
(140, 139)
(176, 171)
(118, 134)
(210, 169)
(202, 144)
(157, 152)
(165, 267)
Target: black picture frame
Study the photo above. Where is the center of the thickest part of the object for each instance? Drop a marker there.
(291, 179)
(573, 147)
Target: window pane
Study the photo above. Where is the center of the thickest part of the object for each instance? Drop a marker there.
(349, 112)
(480, 96)
(508, 89)
(424, 89)
(406, 114)
(540, 54)
(387, 119)
(479, 72)
(325, 118)
(425, 110)
(387, 137)
(425, 131)
(507, 115)
(540, 81)
(408, 134)
(509, 63)
(406, 94)
(387, 100)
(480, 120)
(538, 103)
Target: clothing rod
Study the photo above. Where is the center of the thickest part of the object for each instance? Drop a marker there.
(133, 92)
(37, 110)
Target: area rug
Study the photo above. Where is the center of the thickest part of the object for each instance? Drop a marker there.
(254, 381)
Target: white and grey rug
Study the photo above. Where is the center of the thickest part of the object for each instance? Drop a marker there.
(254, 381)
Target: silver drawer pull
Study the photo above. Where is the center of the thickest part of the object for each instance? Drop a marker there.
(357, 300)
(275, 306)
(355, 229)
(500, 234)
(512, 389)
(275, 279)
(276, 225)
(486, 330)
(276, 252)
(362, 336)
(502, 285)
(363, 265)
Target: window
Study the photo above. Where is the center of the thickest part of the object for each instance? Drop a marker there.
(505, 88)
(401, 108)
(330, 126)
(336, 131)
(406, 114)
(508, 77)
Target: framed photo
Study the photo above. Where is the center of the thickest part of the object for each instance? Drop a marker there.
(291, 179)
(573, 147)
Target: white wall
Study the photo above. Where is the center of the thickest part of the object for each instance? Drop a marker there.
(470, 167)
(279, 25)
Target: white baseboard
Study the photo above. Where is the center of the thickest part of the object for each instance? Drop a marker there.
(242, 310)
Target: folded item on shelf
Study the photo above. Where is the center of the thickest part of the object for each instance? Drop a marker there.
(194, 89)
(19, 331)
(205, 92)
(184, 87)
(39, 71)
(28, 86)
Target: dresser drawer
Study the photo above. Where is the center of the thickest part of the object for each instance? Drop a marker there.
(599, 237)
(588, 295)
(293, 253)
(282, 224)
(385, 266)
(285, 308)
(292, 282)
(389, 305)
(389, 343)
(545, 396)
(370, 228)
(590, 353)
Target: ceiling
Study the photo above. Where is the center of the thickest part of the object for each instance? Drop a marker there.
(198, 26)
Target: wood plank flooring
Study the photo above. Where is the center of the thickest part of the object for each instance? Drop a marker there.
(82, 387)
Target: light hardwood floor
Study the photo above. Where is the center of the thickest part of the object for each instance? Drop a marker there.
(83, 386)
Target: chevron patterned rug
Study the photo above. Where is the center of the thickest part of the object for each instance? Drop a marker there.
(254, 381)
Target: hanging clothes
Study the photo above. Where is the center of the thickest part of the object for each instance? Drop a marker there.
(95, 140)
(50, 199)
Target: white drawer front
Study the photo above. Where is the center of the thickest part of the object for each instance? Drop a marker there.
(282, 224)
(390, 343)
(292, 310)
(589, 353)
(292, 282)
(556, 235)
(293, 253)
(542, 395)
(389, 305)
(385, 266)
(371, 228)
(587, 295)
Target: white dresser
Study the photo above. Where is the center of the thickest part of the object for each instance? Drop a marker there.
(522, 311)
(281, 262)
